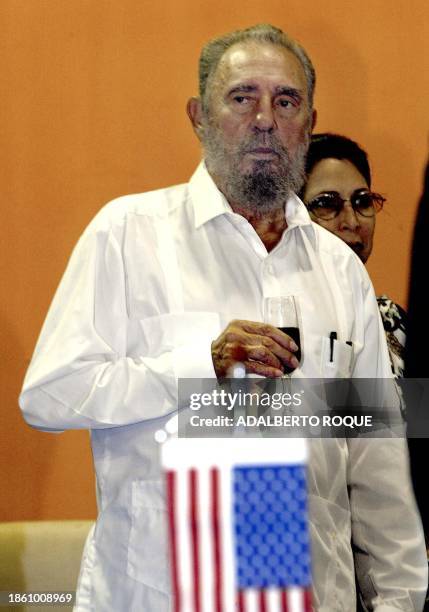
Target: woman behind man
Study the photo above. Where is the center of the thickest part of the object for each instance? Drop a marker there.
(338, 196)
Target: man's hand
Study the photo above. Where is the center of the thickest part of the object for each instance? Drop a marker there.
(260, 347)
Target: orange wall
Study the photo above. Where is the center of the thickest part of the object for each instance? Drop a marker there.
(92, 107)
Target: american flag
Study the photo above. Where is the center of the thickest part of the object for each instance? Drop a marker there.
(238, 524)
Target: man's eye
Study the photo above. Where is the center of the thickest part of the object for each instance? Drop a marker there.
(287, 103)
(241, 99)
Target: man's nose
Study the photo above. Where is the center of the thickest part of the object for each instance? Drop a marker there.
(264, 118)
(349, 218)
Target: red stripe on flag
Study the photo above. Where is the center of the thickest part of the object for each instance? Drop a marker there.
(195, 551)
(307, 601)
(262, 601)
(215, 494)
(283, 601)
(240, 602)
(171, 505)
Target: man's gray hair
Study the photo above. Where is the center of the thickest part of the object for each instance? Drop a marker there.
(263, 33)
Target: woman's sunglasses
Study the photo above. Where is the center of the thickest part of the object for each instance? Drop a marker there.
(329, 205)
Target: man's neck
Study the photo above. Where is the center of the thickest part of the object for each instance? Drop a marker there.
(269, 226)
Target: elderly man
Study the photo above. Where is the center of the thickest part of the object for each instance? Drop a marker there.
(152, 283)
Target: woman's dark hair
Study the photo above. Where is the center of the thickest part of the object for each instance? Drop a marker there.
(323, 146)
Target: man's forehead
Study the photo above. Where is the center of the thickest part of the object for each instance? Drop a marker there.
(252, 59)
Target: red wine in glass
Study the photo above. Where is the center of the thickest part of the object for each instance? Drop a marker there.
(293, 332)
(282, 312)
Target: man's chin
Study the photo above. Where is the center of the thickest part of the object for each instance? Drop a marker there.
(260, 165)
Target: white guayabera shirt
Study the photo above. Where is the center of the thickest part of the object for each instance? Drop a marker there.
(153, 280)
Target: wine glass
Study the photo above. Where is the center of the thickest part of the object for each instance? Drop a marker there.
(282, 312)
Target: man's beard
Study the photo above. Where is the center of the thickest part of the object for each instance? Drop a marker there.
(267, 185)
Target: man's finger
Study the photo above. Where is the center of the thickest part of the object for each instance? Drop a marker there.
(267, 330)
(262, 354)
(273, 348)
(255, 367)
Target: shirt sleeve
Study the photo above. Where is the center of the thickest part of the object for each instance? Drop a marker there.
(390, 559)
(387, 535)
(80, 375)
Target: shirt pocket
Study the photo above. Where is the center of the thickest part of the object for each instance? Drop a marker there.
(148, 555)
(336, 359)
(171, 330)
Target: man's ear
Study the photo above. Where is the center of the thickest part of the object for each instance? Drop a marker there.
(314, 120)
(195, 113)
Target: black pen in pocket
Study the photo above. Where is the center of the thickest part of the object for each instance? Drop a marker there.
(332, 337)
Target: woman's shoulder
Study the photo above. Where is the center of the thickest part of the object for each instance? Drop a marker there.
(394, 320)
(392, 314)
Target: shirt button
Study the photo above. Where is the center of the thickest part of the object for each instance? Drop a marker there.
(270, 269)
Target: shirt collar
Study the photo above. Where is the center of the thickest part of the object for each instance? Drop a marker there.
(297, 215)
(208, 202)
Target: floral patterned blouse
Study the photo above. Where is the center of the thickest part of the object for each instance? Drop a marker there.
(394, 322)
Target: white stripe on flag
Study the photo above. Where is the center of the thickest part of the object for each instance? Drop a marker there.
(295, 599)
(206, 542)
(273, 600)
(183, 540)
(251, 600)
(227, 537)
